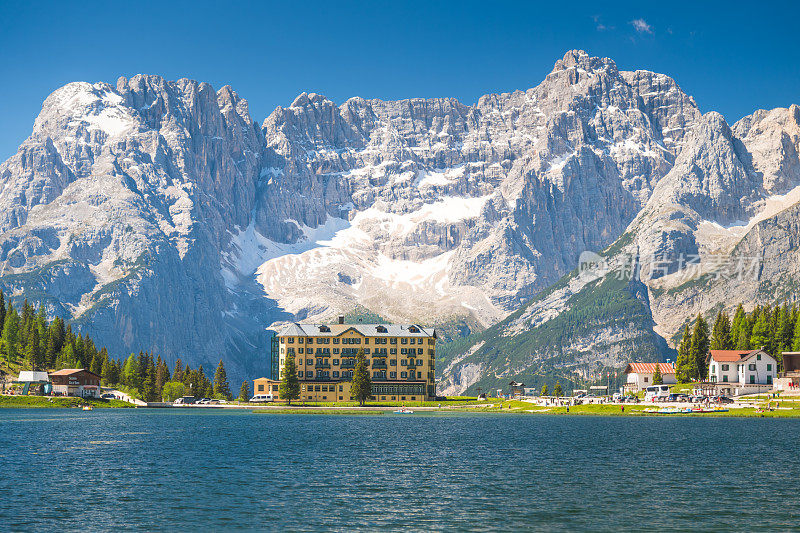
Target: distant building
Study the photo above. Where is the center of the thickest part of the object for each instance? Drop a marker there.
(76, 382)
(789, 379)
(401, 359)
(267, 386)
(737, 372)
(516, 390)
(640, 375)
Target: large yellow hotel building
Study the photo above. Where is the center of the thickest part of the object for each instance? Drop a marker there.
(401, 359)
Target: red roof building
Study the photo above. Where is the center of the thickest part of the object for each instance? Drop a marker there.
(640, 375)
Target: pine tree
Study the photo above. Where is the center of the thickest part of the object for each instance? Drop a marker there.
(361, 385)
(105, 372)
(244, 392)
(736, 325)
(177, 373)
(544, 391)
(130, 372)
(760, 336)
(658, 379)
(221, 387)
(721, 334)
(32, 354)
(162, 375)
(557, 391)
(796, 340)
(10, 335)
(686, 365)
(699, 348)
(96, 365)
(2, 310)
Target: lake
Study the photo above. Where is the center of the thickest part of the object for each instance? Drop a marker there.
(157, 470)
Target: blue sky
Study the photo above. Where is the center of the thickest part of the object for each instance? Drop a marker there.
(733, 58)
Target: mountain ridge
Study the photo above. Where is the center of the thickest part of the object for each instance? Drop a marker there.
(162, 216)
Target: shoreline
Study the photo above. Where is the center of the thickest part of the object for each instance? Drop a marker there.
(789, 408)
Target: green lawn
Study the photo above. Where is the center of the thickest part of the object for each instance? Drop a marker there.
(44, 401)
(449, 402)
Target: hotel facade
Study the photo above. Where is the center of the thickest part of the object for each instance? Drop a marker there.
(400, 359)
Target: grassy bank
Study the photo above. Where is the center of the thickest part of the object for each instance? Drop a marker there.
(638, 410)
(317, 411)
(43, 401)
(449, 402)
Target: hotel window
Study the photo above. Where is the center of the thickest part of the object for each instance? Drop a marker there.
(335, 341)
(291, 340)
(335, 361)
(430, 341)
(341, 388)
(769, 367)
(309, 361)
(366, 341)
(758, 357)
(403, 341)
(366, 350)
(393, 341)
(403, 374)
(393, 351)
(419, 362)
(299, 340)
(300, 374)
(752, 366)
(419, 375)
(393, 375)
(261, 388)
(309, 374)
(725, 367)
(725, 378)
(336, 350)
(419, 351)
(393, 362)
(336, 373)
(283, 341)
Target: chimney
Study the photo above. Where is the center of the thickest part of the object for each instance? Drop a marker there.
(341, 319)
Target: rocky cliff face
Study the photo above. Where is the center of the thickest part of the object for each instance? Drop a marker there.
(718, 230)
(160, 216)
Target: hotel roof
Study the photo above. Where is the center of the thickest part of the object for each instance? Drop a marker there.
(295, 329)
(731, 356)
(649, 368)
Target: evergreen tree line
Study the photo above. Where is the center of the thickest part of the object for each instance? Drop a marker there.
(776, 329)
(29, 340)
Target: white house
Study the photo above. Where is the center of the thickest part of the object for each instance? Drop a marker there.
(737, 372)
(640, 375)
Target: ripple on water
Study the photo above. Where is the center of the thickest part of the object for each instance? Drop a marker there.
(166, 470)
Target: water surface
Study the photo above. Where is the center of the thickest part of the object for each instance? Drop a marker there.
(171, 470)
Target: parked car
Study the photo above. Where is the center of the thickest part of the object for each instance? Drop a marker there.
(108, 396)
(722, 399)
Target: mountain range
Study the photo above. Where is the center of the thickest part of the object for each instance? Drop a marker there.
(159, 215)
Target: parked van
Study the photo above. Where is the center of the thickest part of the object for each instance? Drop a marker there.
(186, 400)
(262, 398)
(656, 393)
